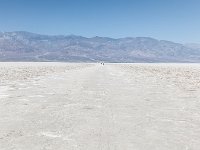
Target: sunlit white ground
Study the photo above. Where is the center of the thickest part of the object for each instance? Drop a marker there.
(63, 106)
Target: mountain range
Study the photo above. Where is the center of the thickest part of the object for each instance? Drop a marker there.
(25, 46)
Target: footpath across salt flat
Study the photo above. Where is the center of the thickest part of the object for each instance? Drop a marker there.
(48, 106)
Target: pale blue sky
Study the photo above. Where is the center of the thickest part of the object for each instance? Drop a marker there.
(175, 20)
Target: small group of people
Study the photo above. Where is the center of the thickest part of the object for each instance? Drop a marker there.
(102, 63)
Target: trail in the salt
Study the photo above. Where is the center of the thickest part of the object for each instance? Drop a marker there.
(96, 107)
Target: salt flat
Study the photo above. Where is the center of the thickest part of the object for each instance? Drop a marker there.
(67, 106)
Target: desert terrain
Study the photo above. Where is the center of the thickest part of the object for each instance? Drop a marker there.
(88, 106)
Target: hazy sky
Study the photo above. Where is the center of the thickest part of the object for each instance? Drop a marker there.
(175, 20)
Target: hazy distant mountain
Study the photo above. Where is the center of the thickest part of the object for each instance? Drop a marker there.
(193, 45)
(25, 46)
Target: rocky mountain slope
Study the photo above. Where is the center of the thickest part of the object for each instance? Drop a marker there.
(25, 46)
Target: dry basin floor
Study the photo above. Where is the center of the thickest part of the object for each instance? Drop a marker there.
(68, 106)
